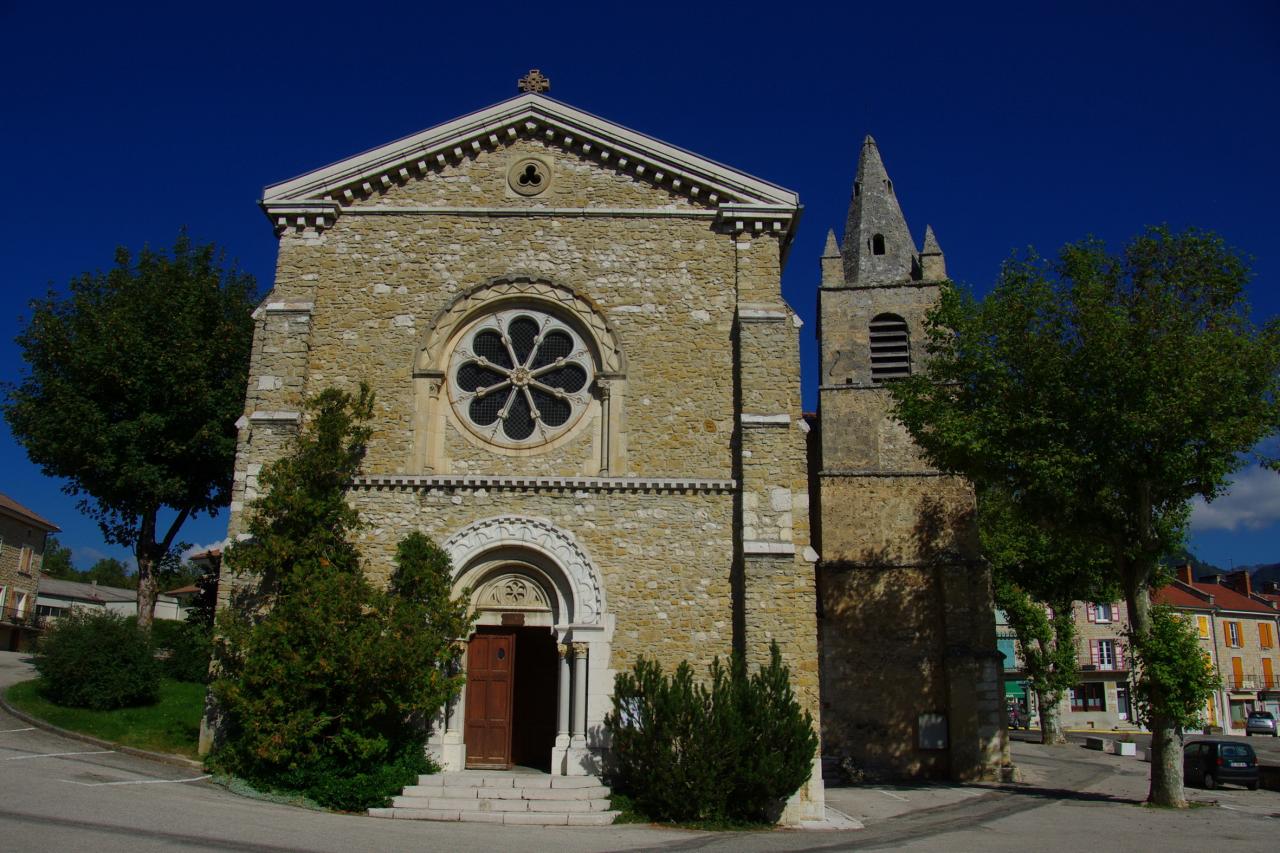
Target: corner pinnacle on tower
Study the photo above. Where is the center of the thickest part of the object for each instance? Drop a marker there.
(877, 245)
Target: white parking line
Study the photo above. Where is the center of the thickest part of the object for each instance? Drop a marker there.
(895, 796)
(27, 729)
(135, 782)
(56, 755)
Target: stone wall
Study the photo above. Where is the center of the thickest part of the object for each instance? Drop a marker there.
(15, 535)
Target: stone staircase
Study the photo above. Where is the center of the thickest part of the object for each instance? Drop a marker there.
(528, 799)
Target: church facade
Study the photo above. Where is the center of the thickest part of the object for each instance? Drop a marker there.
(587, 391)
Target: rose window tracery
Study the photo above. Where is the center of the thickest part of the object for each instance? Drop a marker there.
(520, 377)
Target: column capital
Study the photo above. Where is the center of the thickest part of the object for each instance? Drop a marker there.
(580, 650)
(562, 649)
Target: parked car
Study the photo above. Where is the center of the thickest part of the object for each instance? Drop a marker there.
(1260, 723)
(1210, 763)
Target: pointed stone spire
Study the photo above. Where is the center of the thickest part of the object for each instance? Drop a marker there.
(877, 245)
(832, 263)
(932, 264)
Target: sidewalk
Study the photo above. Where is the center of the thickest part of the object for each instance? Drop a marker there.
(1062, 772)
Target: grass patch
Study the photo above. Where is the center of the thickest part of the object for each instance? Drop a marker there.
(171, 725)
(624, 804)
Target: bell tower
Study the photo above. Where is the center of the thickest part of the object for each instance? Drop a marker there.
(911, 679)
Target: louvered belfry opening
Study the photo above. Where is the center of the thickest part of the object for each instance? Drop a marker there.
(890, 348)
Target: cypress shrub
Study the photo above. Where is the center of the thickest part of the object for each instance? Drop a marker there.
(97, 659)
(325, 684)
(734, 751)
(185, 649)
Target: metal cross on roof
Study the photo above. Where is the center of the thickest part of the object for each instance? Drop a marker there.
(534, 82)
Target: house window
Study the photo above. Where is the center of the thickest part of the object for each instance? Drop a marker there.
(20, 608)
(48, 610)
(890, 347)
(877, 244)
(1103, 613)
(1202, 622)
(1089, 697)
(24, 560)
(1231, 630)
(1268, 675)
(1264, 635)
(1106, 654)
(1237, 673)
(4, 599)
(520, 378)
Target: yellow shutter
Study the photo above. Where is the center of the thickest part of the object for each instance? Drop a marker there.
(1203, 622)
(1268, 680)
(1237, 673)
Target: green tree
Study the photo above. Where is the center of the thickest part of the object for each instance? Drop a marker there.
(56, 562)
(110, 572)
(1173, 676)
(1036, 575)
(1105, 391)
(134, 381)
(326, 685)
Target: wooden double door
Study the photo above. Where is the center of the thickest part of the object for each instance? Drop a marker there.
(511, 696)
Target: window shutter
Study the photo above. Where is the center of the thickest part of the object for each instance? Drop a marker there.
(1226, 633)
(1091, 612)
(1119, 655)
(1093, 651)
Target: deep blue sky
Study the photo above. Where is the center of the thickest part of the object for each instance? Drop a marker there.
(1002, 125)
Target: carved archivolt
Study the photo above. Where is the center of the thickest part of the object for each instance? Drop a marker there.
(541, 537)
(512, 592)
(484, 298)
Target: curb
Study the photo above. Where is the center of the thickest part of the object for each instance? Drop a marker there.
(161, 757)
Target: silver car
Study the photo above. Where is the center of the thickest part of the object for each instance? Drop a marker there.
(1260, 723)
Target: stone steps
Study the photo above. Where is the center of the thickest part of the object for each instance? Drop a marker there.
(507, 798)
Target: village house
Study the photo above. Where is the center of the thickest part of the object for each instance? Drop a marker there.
(23, 535)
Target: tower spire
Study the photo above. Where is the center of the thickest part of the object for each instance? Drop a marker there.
(877, 244)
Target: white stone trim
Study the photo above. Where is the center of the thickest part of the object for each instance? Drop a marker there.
(289, 307)
(275, 417)
(759, 314)
(474, 540)
(765, 420)
(758, 547)
(560, 212)
(597, 484)
(562, 124)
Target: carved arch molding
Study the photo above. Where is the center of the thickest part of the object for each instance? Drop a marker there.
(540, 536)
(483, 297)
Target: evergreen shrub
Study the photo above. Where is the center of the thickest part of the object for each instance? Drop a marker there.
(184, 649)
(97, 659)
(326, 684)
(732, 751)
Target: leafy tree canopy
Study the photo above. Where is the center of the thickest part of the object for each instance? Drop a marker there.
(135, 378)
(56, 562)
(1102, 392)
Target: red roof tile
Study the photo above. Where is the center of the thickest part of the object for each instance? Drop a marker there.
(1224, 597)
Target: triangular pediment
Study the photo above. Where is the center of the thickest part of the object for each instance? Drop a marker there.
(319, 196)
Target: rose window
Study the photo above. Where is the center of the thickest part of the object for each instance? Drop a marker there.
(520, 377)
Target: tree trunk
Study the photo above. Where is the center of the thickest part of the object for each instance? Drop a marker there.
(147, 588)
(1051, 731)
(1166, 739)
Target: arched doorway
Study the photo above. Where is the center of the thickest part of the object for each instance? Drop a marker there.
(510, 711)
(542, 636)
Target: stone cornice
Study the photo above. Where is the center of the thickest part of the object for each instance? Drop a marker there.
(736, 200)
(496, 482)
(867, 472)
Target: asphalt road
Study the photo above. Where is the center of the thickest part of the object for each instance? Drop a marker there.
(62, 794)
